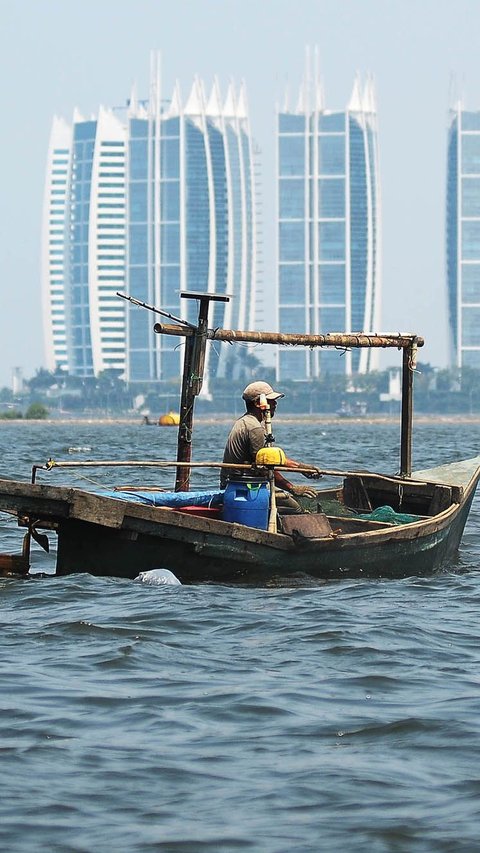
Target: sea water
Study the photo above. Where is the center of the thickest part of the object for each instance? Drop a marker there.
(295, 716)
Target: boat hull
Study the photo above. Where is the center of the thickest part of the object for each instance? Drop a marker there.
(213, 556)
(107, 536)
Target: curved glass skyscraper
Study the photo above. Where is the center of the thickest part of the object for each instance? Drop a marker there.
(192, 223)
(463, 237)
(328, 228)
(54, 254)
(150, 200)
(84, 245)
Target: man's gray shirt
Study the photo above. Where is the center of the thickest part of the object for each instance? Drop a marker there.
(247, 436)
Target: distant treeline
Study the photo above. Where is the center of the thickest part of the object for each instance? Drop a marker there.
(55, 393)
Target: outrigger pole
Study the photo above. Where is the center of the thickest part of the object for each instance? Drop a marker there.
(194, 363)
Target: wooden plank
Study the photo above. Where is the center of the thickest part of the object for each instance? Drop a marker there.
(452, 474)
(310, 526)
(29, 499)
(442, 499)
(341, 525)
(355, 494)
(398, 487)
(97, 509)
(401, 495)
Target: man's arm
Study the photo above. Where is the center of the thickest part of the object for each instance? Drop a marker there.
(312, 473)
(307, 491)
(282, 483)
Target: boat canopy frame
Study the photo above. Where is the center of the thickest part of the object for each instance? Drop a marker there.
(196, 338)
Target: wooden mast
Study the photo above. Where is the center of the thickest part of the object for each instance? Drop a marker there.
(192, 381)
(409, 361)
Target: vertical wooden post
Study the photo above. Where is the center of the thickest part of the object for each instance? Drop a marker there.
(200, 342)
(193, 370)
(408, 366)
(184, 440)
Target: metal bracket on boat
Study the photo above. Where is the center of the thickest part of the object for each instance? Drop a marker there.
(40, 538)
(47, 467)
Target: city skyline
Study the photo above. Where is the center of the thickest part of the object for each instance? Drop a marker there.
(412, 50)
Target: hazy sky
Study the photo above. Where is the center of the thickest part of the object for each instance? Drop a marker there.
(58, 54)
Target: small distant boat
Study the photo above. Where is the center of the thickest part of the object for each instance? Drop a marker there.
(355, 410)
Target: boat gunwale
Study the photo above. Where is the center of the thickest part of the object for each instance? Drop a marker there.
(129, 515)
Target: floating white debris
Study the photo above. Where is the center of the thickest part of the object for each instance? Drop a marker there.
(79, 449)
(158, 577)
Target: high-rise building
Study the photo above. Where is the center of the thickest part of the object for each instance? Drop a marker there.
(328, 227)
(53, 244)
(192, 220)
(153, 199)
(463, 237)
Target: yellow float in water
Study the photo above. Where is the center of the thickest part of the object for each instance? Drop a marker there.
(170, 419)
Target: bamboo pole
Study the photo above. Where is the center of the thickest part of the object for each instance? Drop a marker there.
(325, 472)
(272, 515)
(334, 339)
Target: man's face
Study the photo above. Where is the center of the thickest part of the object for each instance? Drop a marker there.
(273, 406)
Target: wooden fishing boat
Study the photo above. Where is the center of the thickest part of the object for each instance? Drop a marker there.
(366, 524)
(111, 535)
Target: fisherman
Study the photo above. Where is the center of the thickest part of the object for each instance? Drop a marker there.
(247, 437)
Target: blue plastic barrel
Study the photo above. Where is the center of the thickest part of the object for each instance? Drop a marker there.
(247, 503)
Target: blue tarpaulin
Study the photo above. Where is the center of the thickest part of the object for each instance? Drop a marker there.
(171, 499)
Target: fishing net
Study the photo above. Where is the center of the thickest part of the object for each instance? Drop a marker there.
(389, 516)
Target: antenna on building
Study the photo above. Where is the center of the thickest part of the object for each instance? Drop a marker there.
(317, 81)
(355, 103)
(303, 104)
(155, 96)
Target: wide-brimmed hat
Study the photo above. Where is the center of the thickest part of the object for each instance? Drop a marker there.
(255, 389)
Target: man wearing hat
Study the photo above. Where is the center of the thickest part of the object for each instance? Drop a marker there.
(247, 437)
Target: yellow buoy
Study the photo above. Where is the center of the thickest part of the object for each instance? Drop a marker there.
(170, 419)
(270, 456)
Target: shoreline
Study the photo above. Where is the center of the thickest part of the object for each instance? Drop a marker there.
(228, 419)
